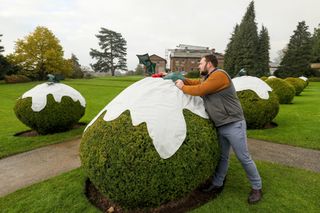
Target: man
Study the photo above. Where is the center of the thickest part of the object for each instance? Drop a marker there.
(224, 109)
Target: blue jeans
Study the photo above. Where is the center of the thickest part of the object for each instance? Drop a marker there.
(234, 135)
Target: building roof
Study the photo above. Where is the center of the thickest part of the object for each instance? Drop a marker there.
(154, 55)
(193, 47)
(190, 51)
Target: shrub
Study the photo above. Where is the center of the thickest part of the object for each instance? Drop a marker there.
(121, 161)
(264, 78)
(55, 117)
(258, 112)
(77, 73)
(16, 79)
(314, 79)
(298, 84)
(282, 89)
(303, 82)
(193, 74)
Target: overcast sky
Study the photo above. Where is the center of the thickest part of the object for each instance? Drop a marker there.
(150, 26)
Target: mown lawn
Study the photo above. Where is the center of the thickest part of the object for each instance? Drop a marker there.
(285, 190)
(298, 123)
(97, 92)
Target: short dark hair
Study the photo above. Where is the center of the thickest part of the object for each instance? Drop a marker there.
(211, 58)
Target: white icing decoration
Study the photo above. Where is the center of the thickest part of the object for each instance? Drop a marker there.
(160, 104)
(272, 76)
(58, 90)
(255, 84)
(303, 78)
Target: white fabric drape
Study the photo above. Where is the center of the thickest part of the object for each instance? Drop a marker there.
(255, 84)
(58, 90)
(160, 104)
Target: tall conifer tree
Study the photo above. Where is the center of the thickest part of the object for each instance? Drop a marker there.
(242, 50)
(296, 61)
(316, 45)
(263, 53)
(113, 52)
(230, 56)
(1, 47)
(247, 42)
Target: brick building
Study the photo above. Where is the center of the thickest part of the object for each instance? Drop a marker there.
(161, 63)
(187, 57)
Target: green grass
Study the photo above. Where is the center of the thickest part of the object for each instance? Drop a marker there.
(64, 193)
(97, 92)
(285, 190)
(298, 123)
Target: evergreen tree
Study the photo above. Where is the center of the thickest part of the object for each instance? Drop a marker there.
(263, 53)
(3, 66)
(1, 47)
(296, 61)
(247, 42)
(113, 54)
(230, 56)
(76, 67)
(316, 46)
(6, 68)
(3, 62)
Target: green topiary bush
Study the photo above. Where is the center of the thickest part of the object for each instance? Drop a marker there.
(282, 89)
(258, 112)
(306, 83)
(314, 79)
(122, 162)
(11, 79)
(55, 117)
(193, 74)
(297, 83)
(264, 78)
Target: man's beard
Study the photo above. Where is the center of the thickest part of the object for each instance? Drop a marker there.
(204, 73)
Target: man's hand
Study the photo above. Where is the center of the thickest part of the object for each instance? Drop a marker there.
(163, 73)
(179, 83)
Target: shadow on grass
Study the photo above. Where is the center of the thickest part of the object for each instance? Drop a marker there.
(34, 133)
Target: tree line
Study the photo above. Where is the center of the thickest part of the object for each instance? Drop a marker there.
(40, 54)
(249, 50)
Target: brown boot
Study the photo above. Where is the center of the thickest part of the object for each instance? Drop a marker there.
(255, 196)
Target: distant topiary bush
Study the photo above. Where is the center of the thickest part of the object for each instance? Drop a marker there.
(282, 89)
(122, 162)
(297, 83)
(16, 79)
(264, 78)
(258, 112)
(193, 74)
(314, 79)
(55, 117)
